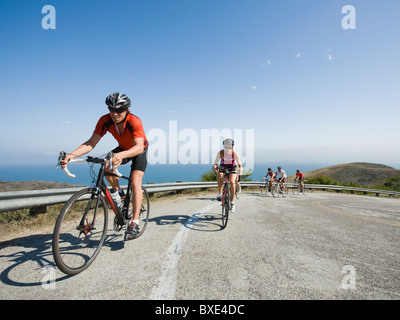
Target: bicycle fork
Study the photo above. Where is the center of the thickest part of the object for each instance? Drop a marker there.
(85, 227)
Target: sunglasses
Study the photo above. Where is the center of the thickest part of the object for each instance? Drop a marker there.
(119, 110)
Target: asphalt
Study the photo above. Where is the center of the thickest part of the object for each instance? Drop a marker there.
(318, 246)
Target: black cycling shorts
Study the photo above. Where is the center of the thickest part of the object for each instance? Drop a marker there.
(139, 162)
(230, 166)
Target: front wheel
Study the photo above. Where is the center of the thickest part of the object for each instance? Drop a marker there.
(80, 231)
(225, 207)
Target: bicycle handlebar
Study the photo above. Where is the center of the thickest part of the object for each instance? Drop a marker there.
(89, 159)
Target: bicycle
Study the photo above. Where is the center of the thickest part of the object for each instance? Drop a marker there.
(237, 189)
(300, 189)
(226, 198)
(277, 189)
(81, 226)
(265, 188)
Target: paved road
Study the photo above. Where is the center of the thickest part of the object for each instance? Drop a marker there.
(319, 246)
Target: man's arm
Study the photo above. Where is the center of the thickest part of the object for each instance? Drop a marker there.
(82, 149)
(137, 149)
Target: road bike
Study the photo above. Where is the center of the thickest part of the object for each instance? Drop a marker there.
(300, 189)
(82, 224)
(238, 188)
(265, 188)
(226, 198)
(277, 190)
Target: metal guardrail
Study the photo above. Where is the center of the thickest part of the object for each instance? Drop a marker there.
(37, 200)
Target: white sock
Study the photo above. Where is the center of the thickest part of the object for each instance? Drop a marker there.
(136, 221)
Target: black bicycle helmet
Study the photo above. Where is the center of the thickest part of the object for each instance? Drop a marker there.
(118, 100)
(228, 142)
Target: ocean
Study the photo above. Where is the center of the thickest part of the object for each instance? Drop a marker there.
(154, 173)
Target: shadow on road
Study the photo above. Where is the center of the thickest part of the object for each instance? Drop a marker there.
(26, 266)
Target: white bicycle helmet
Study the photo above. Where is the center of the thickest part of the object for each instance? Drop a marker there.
(228, 142)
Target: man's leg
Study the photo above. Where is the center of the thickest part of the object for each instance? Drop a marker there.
(113, 180)
(137, 194)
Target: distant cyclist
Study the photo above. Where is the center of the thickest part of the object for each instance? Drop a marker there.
(127, 129)
(271, 176)
(299, 175)
(280, 176)
(229, 159)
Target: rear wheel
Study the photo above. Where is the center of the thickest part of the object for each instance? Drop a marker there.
(144, 211)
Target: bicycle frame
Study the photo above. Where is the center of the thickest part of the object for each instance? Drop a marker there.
(227, 172)
(101, 187)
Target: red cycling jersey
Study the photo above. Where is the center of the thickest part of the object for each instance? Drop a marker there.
(133, 128)
(300, 175)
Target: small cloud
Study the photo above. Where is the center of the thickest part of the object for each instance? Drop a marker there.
(174, 111)
(298, 55)
(268, 63)
(329, 55)
(66, 122)
(254, 87)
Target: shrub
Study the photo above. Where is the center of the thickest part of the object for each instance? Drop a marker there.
(321, 180)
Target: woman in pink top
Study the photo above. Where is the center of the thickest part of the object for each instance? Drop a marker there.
(229, 159)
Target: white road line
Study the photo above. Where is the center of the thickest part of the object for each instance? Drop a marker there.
(165, 289)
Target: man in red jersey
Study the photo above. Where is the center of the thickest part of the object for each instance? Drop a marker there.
(127, 129)
(299, 175)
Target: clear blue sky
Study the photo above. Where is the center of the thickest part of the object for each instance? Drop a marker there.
(311, 91)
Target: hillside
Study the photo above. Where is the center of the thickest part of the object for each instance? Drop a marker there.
(32, 185)
(360, 173)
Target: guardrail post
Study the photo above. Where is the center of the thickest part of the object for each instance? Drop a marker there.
(34, 211)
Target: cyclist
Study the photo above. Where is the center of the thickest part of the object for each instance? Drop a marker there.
(271, 174)
(127, 129)
(280, 176)
(299, 175)
(229, 159)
